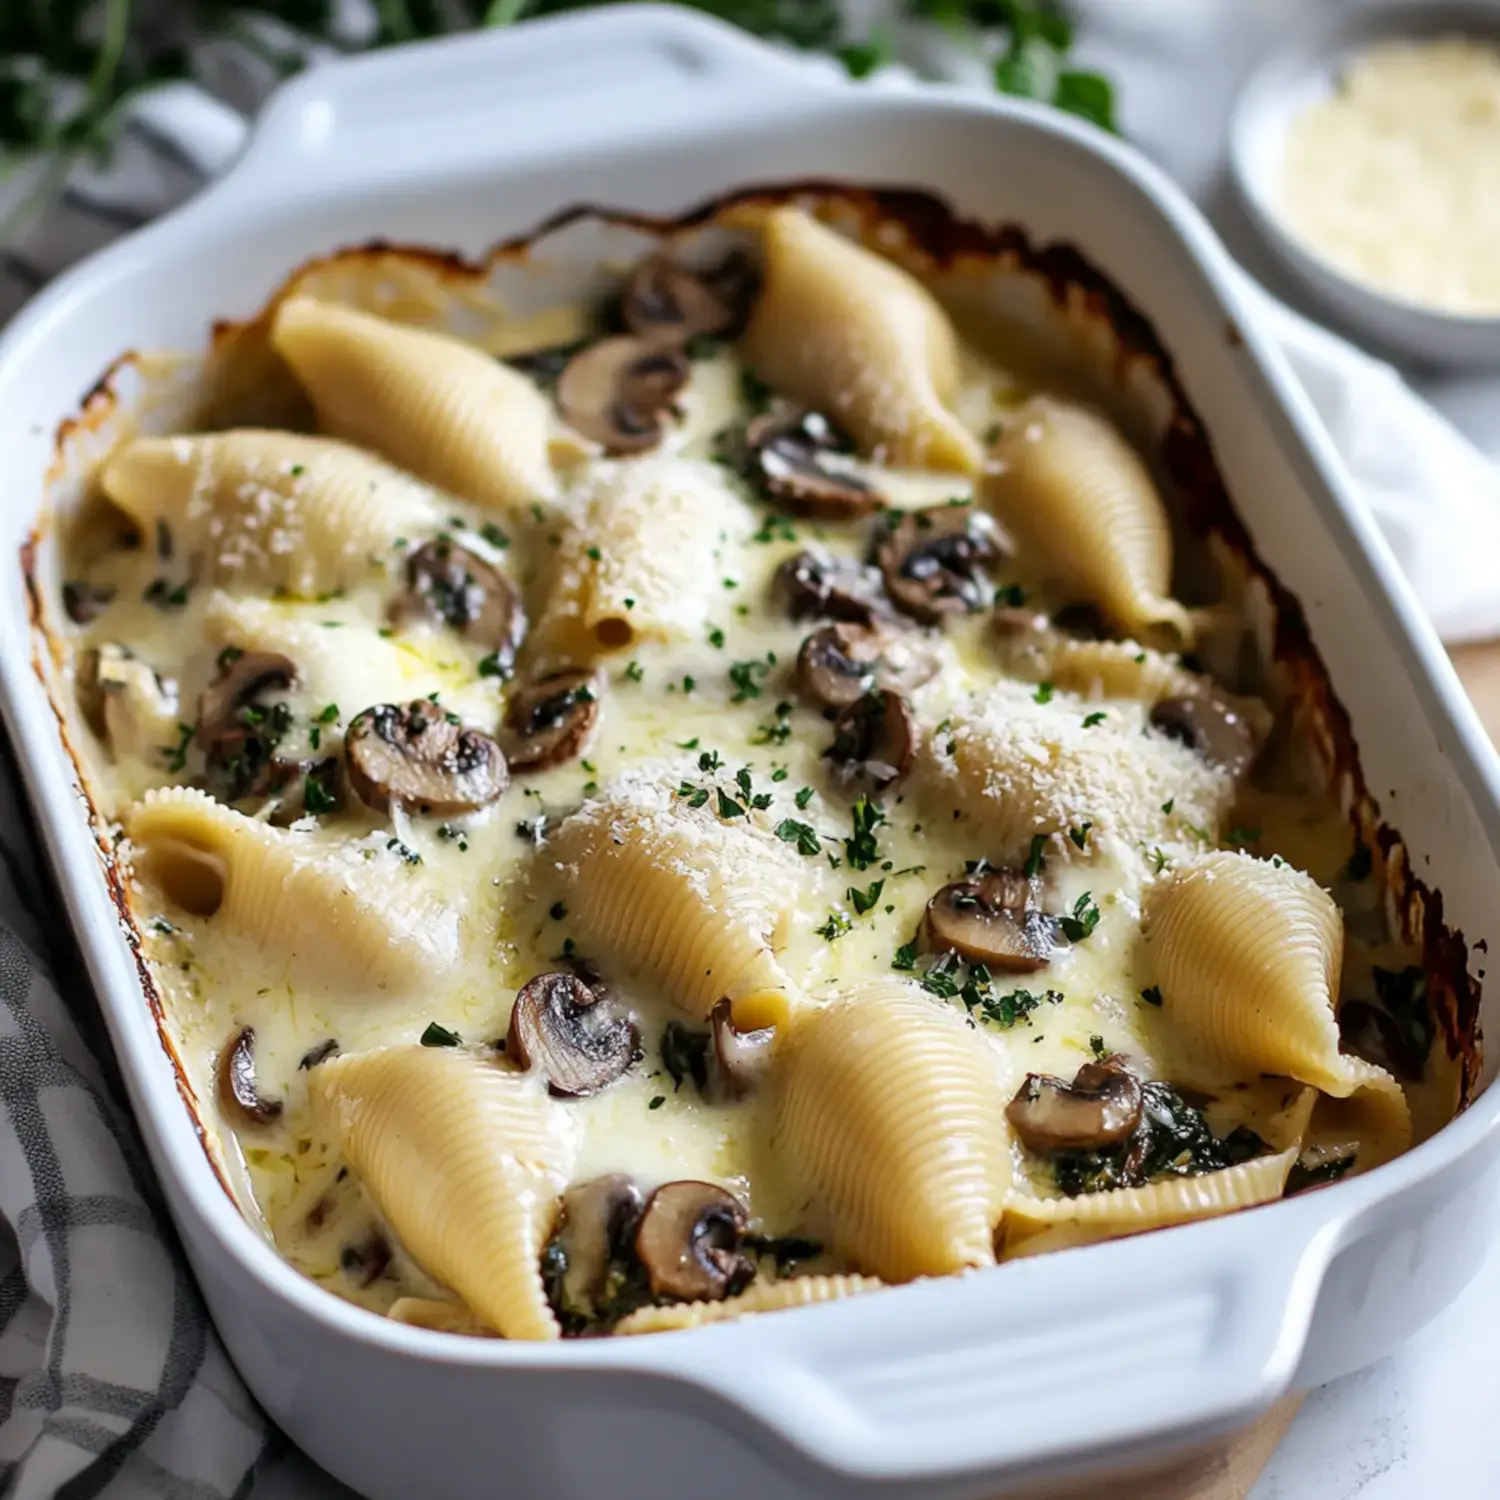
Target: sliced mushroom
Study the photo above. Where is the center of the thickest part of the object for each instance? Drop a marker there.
(577, 1043)
(1368, 1032)
(689, 1238)
(238, 1095)
(1211, 728)
(422, 758)
(369, 1261)
(1101, 1107)
(994, 919)
(616, 392)
(874, 740)
(841, 663)
(240, 681)
(936, 562)
(549, 721)
(668, 303)
(83, 602)
(123, 700)
(597, 1224)
(786, 459)
(739, 1060)
(817, 583)
(446, 581)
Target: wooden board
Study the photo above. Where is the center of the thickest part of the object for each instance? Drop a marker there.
(1225, 1469)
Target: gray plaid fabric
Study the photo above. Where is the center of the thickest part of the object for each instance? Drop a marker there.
(113, 1382)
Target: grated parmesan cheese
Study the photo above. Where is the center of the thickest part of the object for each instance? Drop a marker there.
(1396, 178)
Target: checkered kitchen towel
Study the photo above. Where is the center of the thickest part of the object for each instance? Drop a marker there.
(113, 1382)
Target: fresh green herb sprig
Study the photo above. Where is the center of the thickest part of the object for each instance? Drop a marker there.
(70, 69)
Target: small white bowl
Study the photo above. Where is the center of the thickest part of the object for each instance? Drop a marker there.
(1301, 72)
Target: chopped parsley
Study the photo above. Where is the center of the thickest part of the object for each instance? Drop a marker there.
(716, 637)
(864, 901)
(403, 851)
(1010, 595)
(803, 797)
(1043, 692)
(1083, 919)
(494, 536)
(745, 677)
(657, 1102)
(1168, 805)
(1094, 718)
(1152, 996)
(319, 795)
(861, 848)
(1244, 835)
(778, 731)
(684, 1054)
(836, 926)
(728, 807)
(802, 835)
(633, 672)
(557, 911)
(1080, 835)
(493, 666)
(906, 956)
(1035, 860)
(440, 1036)
(228, 656)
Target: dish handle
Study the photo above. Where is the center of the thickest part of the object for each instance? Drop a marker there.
(535, 92)
(1177, 1336)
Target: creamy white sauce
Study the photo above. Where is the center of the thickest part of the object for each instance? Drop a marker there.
(664, 702)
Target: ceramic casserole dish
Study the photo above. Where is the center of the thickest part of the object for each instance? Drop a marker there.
(960, 1386)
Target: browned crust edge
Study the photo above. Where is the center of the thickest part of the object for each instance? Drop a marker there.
(940, 237)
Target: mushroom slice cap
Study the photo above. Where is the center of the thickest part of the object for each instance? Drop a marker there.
(420, 757)
(836, 665)
(937, 562)
(993, 919)
(688, 1239)
(549, 721)
(669, 303)
(740, 1059)
(561, 1028)
(874, 740)
(239, 1098)
(787, 460)
(239, 682)
(1214, 730)
(816, 583)
(1101, 1107)
(446, 581)
(597, 1224)
(616, 391)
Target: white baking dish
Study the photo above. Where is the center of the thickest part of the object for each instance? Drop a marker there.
(957, 1387)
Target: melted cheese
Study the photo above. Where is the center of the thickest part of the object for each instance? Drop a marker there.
(700, 702)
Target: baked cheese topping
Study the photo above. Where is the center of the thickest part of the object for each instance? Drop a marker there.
(779, 850)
